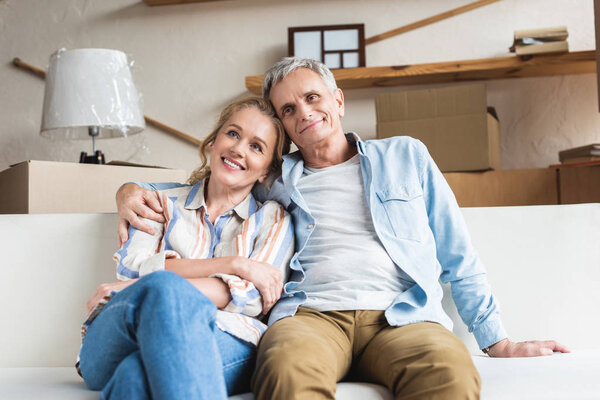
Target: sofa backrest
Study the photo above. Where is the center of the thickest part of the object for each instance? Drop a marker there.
(543, 264)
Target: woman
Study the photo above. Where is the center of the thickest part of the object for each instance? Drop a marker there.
(157, 333)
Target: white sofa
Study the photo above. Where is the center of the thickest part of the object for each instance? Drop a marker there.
(543, 263)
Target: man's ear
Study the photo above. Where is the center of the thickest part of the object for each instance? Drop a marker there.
(339, 99)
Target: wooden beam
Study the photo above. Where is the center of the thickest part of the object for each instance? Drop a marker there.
(580, 62)
(428, 21)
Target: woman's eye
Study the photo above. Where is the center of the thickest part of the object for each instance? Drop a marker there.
(256, 147)
(233, 134)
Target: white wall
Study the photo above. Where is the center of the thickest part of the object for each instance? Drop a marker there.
(191, 60)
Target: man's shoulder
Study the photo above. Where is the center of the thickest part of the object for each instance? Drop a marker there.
(395, 148)
(396, 143)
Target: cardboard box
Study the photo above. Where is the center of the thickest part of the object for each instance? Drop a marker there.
(453, 122)
(518, 187)
(34, 187)
(579, 184)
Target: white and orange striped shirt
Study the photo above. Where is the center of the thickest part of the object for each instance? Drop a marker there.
(263, 233)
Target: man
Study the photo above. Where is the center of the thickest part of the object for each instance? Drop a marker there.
(376, 227)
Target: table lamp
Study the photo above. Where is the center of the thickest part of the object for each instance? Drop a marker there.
(90, 94)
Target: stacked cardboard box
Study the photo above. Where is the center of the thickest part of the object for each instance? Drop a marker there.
(453, 122)
(519, 187)
(34, 187)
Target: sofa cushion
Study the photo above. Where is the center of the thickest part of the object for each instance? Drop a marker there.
(560, 376)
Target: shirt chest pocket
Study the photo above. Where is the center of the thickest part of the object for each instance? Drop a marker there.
(405, 210)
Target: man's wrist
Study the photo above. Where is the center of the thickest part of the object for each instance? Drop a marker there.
(496, 348)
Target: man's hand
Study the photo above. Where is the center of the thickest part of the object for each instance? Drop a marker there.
(267, 279)
(530, 348)
(134, 202)
(104, 290)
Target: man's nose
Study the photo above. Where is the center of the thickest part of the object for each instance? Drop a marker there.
(305, 111)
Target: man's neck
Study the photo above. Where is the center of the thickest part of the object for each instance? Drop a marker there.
(332, 152)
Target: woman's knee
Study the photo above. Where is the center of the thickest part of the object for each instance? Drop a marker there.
(170, 287)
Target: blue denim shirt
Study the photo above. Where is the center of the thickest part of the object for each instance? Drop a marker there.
(419, 223)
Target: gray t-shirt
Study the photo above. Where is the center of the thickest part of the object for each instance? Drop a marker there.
(347, 267)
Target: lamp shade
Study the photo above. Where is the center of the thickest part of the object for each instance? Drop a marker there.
(90, 88)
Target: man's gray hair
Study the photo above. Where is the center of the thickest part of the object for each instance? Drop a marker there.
(288, 65)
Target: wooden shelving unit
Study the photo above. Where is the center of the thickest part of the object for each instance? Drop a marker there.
(580, 62)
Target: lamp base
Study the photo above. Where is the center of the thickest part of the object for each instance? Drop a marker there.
(96, 158)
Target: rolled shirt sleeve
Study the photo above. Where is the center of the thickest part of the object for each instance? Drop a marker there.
(143, 253)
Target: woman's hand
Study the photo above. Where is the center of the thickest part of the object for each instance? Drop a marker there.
(104, 290)
(530, 348)
(134, 202)
(267, 279)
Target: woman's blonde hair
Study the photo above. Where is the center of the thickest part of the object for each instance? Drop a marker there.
(282, 144)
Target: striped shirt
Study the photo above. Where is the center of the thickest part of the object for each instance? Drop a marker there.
(263, 233)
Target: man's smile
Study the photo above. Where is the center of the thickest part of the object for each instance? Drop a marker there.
(311, 125)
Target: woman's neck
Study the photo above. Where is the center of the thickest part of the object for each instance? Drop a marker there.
(219, 198)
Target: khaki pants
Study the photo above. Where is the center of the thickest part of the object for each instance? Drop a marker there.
(302, 357)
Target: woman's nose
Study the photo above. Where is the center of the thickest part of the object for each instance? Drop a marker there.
(237, 149)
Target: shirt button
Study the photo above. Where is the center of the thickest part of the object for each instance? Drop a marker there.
(310, 226)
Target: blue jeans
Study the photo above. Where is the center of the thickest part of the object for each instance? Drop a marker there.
(157, 339)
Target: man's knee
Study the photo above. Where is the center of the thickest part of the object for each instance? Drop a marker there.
(446, 369)
(291, 366)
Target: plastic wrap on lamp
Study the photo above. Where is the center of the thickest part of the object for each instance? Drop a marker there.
(90, 88)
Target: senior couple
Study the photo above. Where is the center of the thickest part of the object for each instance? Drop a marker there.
(341, 244)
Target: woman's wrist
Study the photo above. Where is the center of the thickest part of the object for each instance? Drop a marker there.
(240, 266)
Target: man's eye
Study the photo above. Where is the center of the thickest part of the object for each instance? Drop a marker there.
(286, 111)
(312, 97)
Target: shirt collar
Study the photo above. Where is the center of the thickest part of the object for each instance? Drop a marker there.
(196, 200)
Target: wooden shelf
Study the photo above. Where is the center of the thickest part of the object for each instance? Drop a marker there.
(169, 2)
(580, 62)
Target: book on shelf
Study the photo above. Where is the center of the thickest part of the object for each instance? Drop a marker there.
(590, 150)
(548, 47)
(578, 164)
(538, 41)
(574, 160)
(548, 34)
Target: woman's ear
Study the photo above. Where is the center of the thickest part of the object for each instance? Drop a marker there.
(263, 178)
(265, 175)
